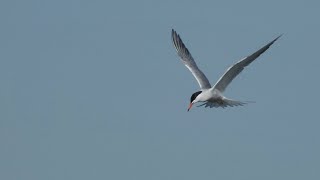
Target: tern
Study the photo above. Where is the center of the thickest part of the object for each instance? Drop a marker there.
(212, 96)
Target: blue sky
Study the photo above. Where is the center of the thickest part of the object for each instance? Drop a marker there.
(95, 90)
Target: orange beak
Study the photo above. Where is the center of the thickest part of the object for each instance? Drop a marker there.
(190, 105)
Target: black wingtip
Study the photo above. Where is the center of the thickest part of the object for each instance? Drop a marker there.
(277, 38)
(173, 31)
(270, 43)
(173, 34)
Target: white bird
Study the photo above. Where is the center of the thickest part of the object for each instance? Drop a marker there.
(212, 96)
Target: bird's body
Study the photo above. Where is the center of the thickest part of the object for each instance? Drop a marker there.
(212, 96)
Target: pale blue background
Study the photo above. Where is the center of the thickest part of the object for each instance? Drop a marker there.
(95, 90)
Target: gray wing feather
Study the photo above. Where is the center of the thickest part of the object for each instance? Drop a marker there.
(189, 62)
(226, 103)
(236, 69)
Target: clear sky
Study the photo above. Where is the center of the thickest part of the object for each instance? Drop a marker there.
(95, 90)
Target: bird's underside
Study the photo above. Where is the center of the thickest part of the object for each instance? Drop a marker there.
(222, 102)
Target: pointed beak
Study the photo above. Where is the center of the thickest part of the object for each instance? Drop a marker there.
(190, 105)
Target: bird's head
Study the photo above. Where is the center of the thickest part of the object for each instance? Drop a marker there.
(194, 98)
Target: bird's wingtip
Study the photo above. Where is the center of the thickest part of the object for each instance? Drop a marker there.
(279, 36)
(173, 32)
(276, 39)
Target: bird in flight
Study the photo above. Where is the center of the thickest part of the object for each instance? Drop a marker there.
(212, 96)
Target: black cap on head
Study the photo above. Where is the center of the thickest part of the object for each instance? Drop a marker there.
(194, 95)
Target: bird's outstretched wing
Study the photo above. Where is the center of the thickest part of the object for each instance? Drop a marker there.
(235, 69)
(189, 62)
